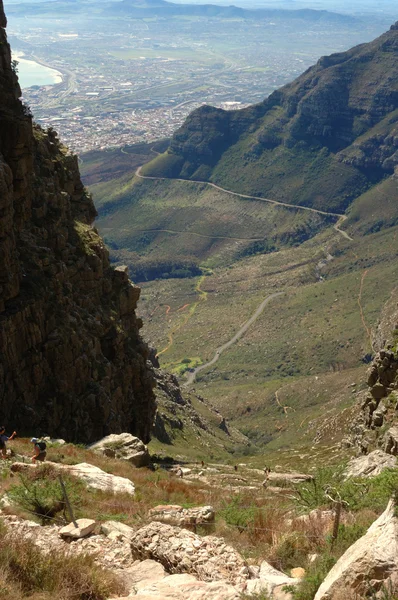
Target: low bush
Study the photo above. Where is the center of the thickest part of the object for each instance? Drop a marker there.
(40, 494)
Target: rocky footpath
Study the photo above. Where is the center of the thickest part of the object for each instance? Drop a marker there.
(73, 364)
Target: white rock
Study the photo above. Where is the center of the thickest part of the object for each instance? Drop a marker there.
(83, 529)
(271, 581)
(187, 587)
(94, 477)
(97, 479)
(115, 527)
(374, 557)
(371, 464)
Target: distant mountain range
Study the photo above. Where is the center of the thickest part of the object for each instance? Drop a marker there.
(162, 8)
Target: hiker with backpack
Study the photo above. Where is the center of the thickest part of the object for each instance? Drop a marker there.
(40, 450)
(3, 439)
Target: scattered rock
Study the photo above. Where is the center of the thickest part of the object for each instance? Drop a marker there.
(370, 465)
(183, 517)
(125, 447)
(372, 559)
(182, 551)
(83, 529)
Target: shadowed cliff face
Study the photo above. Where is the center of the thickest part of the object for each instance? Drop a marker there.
(72, 363)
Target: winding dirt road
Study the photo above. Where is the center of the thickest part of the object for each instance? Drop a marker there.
(336, 226)
(191, 376)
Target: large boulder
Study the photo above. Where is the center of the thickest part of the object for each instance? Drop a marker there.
(124, 446)
(367, 564)
(182, 551)
(370, 465)
(183, 517)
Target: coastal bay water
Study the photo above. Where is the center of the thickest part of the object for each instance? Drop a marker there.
(32, 73)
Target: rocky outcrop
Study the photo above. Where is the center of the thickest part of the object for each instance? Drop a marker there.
(378, 406)
(73, 364)
(180, 409)
(123, 446)
(370, 465)
(182, 551)
(371, 561)
(390, 441)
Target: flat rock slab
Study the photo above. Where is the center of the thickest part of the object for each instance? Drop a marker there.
(186, 587)
(83, 529)
(182, 551)
(289, 478)
(94, 477)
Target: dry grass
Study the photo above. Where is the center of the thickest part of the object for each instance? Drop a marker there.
(26, 572)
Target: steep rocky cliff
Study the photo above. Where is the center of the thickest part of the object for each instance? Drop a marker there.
(321, 140)
(72, 363)
(376, 422)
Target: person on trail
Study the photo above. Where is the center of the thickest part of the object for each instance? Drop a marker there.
(3, 439)
(40, 451)
(267, 471)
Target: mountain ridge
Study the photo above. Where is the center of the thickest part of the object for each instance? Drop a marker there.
(335, 125)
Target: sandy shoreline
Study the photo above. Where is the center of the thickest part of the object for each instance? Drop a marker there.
(25, 65)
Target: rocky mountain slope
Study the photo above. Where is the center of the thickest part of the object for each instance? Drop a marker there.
(72, 359)
(320, 141)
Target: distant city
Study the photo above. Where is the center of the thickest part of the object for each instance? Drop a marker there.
(128, 81)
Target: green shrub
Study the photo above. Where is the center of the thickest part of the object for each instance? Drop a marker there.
(312, 494)
(237, 515)
(314, 576)
(40, 493)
